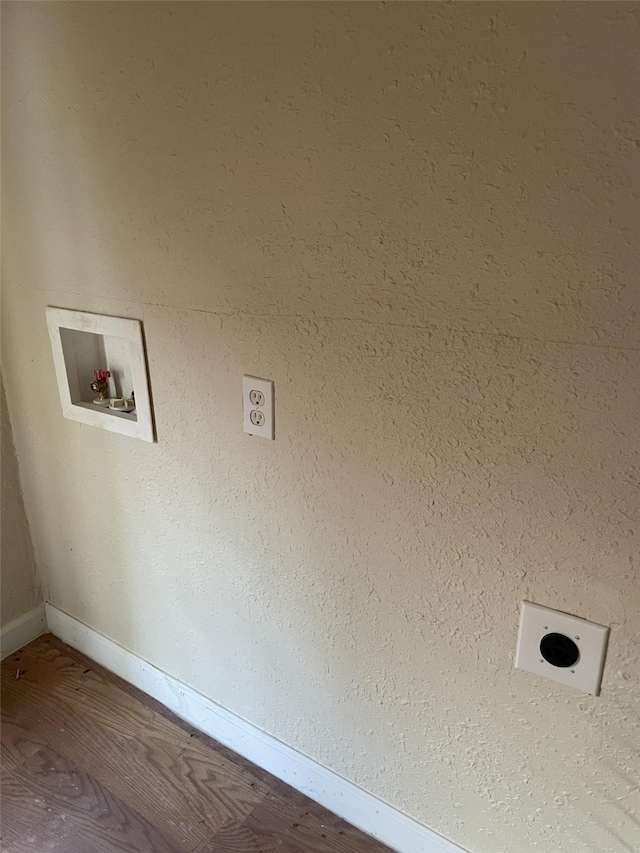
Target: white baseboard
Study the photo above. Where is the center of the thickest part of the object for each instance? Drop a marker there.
(343, 798)
(22, 630)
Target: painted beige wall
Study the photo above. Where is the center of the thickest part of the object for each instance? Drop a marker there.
(419, 220)
(19, 588)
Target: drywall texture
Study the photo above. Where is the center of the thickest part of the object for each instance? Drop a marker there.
(19, 589)
(418, 219)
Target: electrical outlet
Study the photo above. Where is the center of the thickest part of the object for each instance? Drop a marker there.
(258, 406)
(561, 647)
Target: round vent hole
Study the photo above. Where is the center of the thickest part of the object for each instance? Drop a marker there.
(559, 650)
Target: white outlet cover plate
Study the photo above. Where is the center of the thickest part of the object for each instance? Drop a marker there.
(252, 383)
(591, 639)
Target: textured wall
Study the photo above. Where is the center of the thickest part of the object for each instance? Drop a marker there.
(19, 589)
(418, 219)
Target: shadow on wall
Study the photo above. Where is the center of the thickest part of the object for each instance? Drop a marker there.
(20, 590)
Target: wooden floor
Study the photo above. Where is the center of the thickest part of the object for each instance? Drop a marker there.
(90, 764)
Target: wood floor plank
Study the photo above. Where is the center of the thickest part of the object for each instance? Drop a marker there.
(49, 806)
(122, 715)
(187, 796)
(94, 760)
(43, 660)
(17, 746)
(93, 765)
(127, 717)
(165, 744)
(299, 830)
(159, 710)
(238, 838)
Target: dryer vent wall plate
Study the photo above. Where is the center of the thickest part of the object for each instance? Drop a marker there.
(561, 647)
